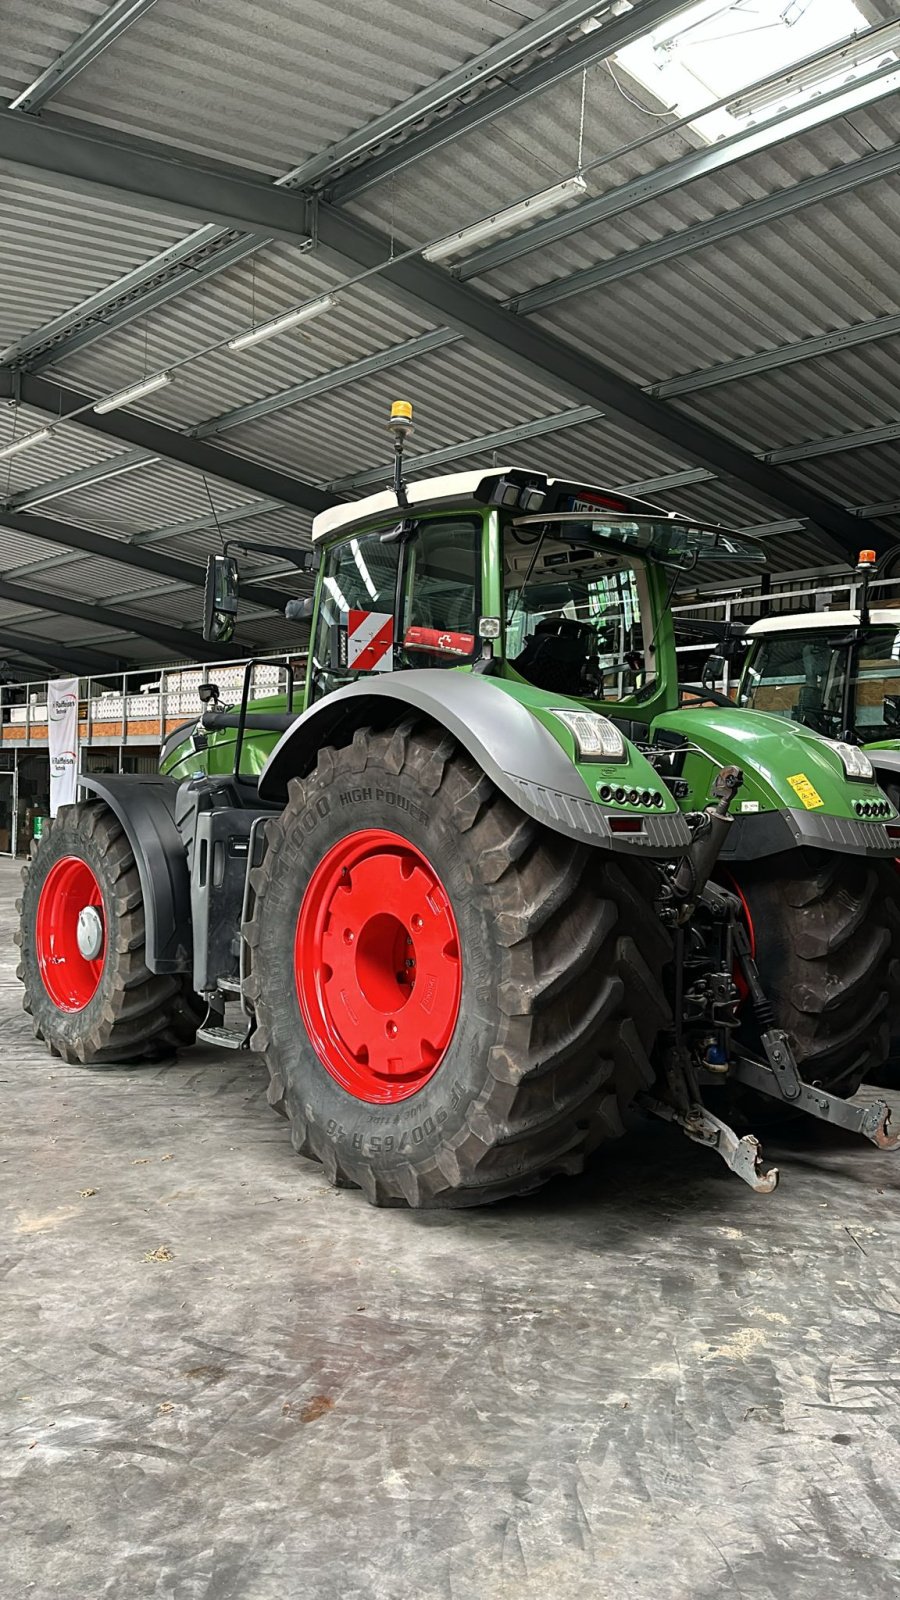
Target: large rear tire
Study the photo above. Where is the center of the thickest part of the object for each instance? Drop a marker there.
(826, 946)
(109, 1006)
(528, 996)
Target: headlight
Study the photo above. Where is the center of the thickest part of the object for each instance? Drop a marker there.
(856, 762)
(596, 738)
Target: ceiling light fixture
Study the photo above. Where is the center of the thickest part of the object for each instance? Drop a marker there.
(127, 397)
(25, 443)
(555, 199)
(270, 330)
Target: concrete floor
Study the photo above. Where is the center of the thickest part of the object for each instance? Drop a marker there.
(650, 1384)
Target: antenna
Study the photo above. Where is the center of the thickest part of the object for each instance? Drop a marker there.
(400, 424)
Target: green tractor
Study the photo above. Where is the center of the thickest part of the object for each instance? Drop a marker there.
(837, 672)
(482, 885)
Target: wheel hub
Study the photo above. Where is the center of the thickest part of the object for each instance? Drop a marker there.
(70, 934)
(377, 966)
(89, 933)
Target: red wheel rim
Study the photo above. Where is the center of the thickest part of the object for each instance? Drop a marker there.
(69, 977)
(377, 966)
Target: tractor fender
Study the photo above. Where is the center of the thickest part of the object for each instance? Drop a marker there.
(510, 745)
(144, 804)
(886, 764)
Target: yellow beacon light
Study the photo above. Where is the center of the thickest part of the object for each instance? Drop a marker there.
(401, 416)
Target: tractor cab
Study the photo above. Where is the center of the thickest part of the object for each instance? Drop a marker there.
(535, 580)
(829, 671)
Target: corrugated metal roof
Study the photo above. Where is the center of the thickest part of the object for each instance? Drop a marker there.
(536, 144)
(457, 393)
(57, 248)
(263, 83)
(35, 32)
(364, 319)
(821, 399)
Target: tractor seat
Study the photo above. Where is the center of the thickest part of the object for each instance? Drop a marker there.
(555, 655)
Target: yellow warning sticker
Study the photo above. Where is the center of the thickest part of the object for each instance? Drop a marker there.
(806, 792)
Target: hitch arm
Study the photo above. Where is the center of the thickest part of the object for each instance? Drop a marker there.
(742, 1156)
(872, 1121)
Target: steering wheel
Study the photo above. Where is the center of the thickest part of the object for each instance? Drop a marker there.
(704, 696)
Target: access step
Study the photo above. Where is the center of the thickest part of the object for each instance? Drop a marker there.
(225, 1038)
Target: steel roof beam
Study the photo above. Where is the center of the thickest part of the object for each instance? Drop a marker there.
(825, 344)
(173, 271)
(574, 418)
(80, 658)
(58, 400)
(829, 447)
(379, 362)
(183, 642)
(784, 203)
(558, 21)
(54, 488)
(687, 169)
(34, 526)
(80, 53)
(83, 163)
(612, 35)
(521, 344)
(175, 530)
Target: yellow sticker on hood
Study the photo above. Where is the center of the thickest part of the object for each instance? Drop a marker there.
(807, 793)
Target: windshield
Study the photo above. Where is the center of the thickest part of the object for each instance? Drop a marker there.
(427, 584)
(804, 677)
(577, 623)
(673, 542)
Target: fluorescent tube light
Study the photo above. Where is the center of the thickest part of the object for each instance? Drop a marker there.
(25, 443)
(270, 330)
(555, 199)
(126, 397)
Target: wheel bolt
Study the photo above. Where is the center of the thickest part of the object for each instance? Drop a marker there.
(390, 1029)
(348, 936)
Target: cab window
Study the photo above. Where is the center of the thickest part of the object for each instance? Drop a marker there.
(576, 623)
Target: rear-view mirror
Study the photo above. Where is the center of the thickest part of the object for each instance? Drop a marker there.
(299, 610)
(220, 600)
(713, 669)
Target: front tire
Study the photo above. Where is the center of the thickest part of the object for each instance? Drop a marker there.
(536, 991)
(97, 1001)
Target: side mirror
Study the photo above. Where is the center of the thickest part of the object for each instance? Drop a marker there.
(220, 599)
(713, 668)
(299, 610)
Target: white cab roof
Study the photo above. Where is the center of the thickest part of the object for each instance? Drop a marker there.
(451, 486)
(813, 621)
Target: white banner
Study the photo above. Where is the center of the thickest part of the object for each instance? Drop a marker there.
(62, 724)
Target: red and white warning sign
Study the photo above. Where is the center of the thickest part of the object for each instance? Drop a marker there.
(370, 640)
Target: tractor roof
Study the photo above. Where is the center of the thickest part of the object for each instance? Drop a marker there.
(466, 490)
(459, 488)
(818, 621)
